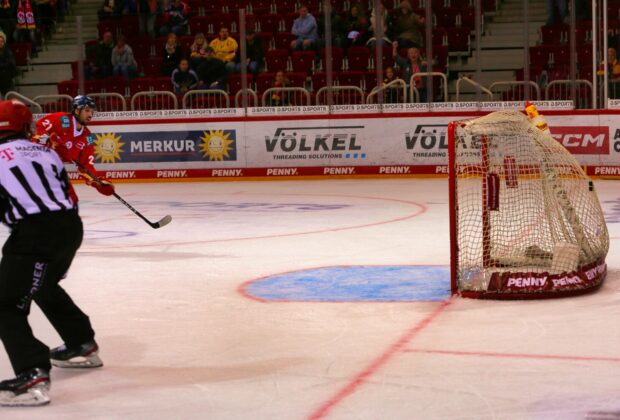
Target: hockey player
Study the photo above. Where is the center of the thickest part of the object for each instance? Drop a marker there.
(39, 205)
(69, 136)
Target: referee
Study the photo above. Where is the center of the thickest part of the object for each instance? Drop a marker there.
(39, 206)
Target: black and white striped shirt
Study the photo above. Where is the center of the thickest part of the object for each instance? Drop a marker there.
(32, 181)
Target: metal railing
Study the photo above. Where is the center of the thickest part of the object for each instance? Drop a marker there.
(394, 92)
(109, 102)
(424, 91)
(154, 100)
(286, 96)
(252, 98)
(35, 107)
(515, 90)
(473, 83)
(54, 103)
(563, 90)
(205, 99)
(341, 95)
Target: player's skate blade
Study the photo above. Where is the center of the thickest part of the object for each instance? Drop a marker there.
(28, 389)
(85, 356)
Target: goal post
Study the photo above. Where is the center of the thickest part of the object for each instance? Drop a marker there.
(525, 220)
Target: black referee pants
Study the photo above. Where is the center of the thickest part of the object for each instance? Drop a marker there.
(35, 258)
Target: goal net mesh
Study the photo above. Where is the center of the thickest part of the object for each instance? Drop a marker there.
(527, 218)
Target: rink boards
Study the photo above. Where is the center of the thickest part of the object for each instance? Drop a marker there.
(345, 141)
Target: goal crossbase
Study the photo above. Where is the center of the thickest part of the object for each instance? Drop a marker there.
(529, 285)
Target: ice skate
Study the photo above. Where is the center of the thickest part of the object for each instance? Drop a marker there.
(84, 356)
(28, 389)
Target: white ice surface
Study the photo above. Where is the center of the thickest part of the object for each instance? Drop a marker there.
(180, 342)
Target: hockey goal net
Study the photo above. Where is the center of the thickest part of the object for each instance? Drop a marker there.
(525, 219)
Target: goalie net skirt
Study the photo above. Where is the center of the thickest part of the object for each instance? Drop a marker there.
(525, 220)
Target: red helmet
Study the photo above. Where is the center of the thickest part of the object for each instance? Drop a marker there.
(15, 117)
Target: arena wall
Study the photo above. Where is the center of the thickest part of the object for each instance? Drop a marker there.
(346, 141)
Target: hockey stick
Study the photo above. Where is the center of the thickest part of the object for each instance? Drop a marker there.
(164, 220)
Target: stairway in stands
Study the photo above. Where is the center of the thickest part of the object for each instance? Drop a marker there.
(502, 46)
(53, 64)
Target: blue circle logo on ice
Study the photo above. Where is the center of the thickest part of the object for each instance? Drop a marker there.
(355, 284)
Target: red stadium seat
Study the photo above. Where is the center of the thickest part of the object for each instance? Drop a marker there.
(467, 17)
(21, 52)
(458, 39)
(303, 61)
(235, 83)
(358, 58)
(264, 81)
(337, 58)
(270, 22)
(447, 16)
(561, 55)
(93, 86)
(297, 79)
(286, 6)
(540, 55)
(440, 36)
(319, 80)
(352, 78)
(553, 34)
(284, 39)
(151, 66)
(276, 60)
(261, 7)
(115, 85)
(68, 87)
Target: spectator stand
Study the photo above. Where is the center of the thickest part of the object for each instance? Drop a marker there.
(474, 84)
(437, 90)
(54, 103)
(154, 100)
(340, 95)
(109, 101)
(517, 90)
(251, 98)
(393, 92)
(295, 96)
(563, 90)
(205, 99)
(35, 107)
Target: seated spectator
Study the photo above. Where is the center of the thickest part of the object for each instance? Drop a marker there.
(175, 16)
(171, 54)
(184, 79)
(109, 10)
(101, 64)
(407, 26)
(123, 62)
(279, 97)
(254, 54)
(356, 26)
(391, 94)
(8, 68)
(225, 48)
(613, 73)
(305, 29)
(411, 65)
(147, 14)
(198, 50)
(211, 72)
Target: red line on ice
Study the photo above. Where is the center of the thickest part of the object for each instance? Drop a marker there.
(363, 376)
(516, 355)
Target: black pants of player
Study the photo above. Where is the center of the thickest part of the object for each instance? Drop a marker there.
(35, 258)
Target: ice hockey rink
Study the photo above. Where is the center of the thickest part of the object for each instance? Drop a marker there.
(290, 300)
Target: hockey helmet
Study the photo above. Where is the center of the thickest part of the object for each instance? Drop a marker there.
(83, 101)
(15, 117)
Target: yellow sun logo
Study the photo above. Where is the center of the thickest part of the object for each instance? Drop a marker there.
(216, 145)
(108, 147)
